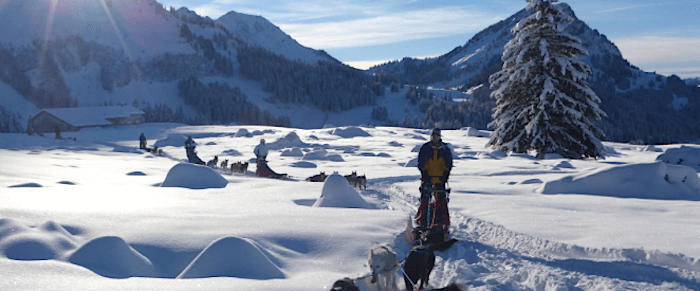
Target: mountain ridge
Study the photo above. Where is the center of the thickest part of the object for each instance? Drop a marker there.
(136, 52)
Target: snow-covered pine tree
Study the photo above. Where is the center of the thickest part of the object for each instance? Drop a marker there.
(543, 100)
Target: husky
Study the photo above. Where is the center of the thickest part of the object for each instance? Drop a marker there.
(224, 164)
(318, 178)
(418, 265)
(239, 167)
(382, 262)
(346, 284)
(212, 163)
(361, 182)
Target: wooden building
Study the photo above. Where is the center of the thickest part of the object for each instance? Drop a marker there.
(73, 119)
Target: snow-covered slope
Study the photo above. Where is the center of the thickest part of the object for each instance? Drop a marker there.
(257, 30)
(142, 28)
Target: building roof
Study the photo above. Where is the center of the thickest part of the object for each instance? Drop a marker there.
(93, 116)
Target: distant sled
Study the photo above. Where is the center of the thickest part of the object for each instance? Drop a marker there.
(264, 170)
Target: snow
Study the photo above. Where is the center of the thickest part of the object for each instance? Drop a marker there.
(337, 192)
(645, 180)
(194, 177)
(78, 215)
(349, 132)
(233, 257)
(685, 155)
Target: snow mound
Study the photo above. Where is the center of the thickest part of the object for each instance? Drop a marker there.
(26, 185)
(475, 132)
(294, 152)
(288, 141)
(412, 163)
(242, 132)
(651, 148)
(233, 257)
(194, 177)
(136, 173)
(415, 136)
(337, 192)
(231, 152)
(322, 154)
(45, 242)
(350, 132)
(416, 148)
(303, 165)
(173, 139)
(111, 256)
(646, 181)
(685, 155)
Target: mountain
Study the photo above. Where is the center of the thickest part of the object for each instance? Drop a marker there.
(257, 30)
(236, 69)
(642, 107)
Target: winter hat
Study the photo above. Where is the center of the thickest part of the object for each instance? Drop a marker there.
(262, 141)
(436, 131)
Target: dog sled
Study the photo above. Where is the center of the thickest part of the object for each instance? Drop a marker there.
(264, 170)
(435, 232)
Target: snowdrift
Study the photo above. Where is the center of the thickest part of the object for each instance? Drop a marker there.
(322, 154)
(111, 256)
(194, 177)
(233, 257)
(685, 155)
(475, 132)
(646, 181)
(45, 242)
(242, 132)
(294, 152)
(350, 132)
(173, 140)
(288, 141)
(337, 192)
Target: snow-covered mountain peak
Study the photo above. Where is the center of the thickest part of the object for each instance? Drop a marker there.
(257, 30)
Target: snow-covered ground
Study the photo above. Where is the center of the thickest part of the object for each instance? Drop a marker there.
(90, 213)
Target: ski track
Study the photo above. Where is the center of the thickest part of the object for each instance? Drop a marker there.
(491, 257)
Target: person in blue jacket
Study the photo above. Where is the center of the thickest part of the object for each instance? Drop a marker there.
(435, 164)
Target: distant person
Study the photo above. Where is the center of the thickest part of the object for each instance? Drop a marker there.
(191, 154)
(435, 164)
(142, 141)
(261, 151)
(189, 143)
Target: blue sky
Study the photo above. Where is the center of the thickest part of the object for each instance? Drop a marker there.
(660, 36)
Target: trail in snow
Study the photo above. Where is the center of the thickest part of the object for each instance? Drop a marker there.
(491, 257)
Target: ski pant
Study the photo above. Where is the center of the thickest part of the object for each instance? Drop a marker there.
(440, 214)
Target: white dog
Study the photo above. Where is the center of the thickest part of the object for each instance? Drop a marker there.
(382, 262)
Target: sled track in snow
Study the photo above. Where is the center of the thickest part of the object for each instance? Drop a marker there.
(491, 257)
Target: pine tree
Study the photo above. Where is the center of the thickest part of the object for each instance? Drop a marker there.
(543, 100)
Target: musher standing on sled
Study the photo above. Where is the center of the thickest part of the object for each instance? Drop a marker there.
(435, 164)
(260, 152)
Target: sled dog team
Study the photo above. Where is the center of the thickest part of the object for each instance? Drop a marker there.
(383, 264)
(435, 164)
(354, 180)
